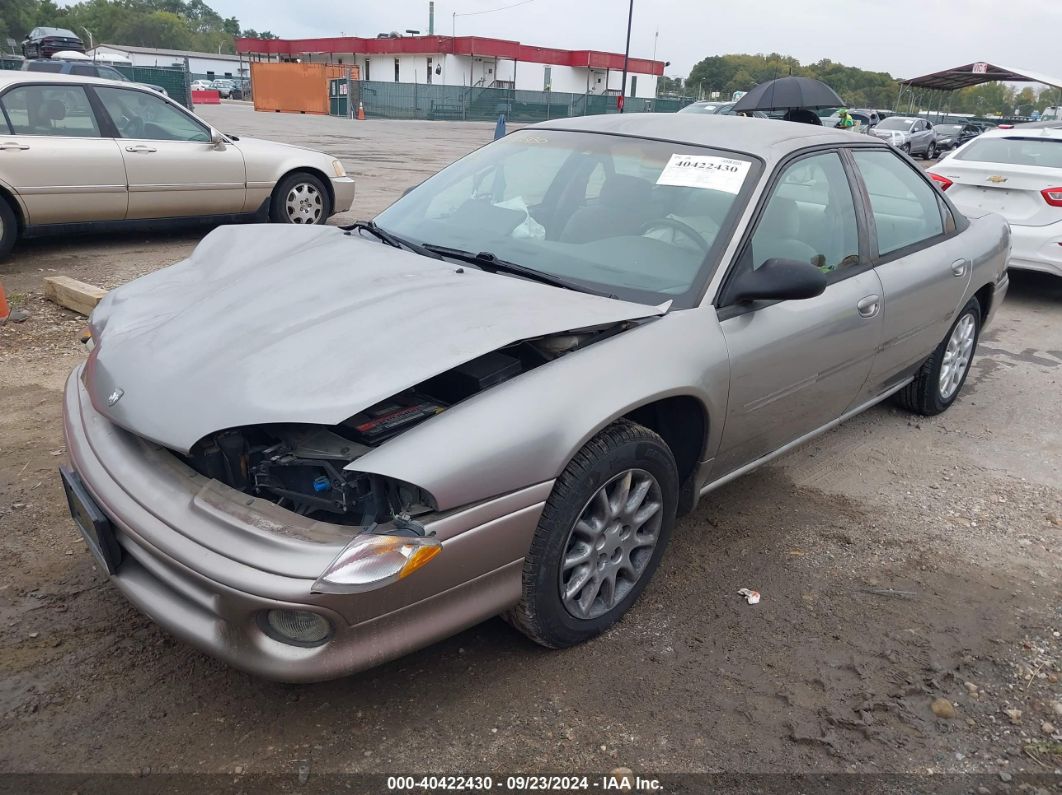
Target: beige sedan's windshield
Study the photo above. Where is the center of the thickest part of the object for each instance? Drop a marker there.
(643, 220)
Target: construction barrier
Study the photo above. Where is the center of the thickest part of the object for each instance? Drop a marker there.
(295, 87)
(206, 97)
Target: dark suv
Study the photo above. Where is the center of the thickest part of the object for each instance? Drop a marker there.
(46, 42)
(82, 69)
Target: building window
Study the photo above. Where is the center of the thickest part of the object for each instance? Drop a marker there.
(367, 69)
(341, 60)
(210, 75)
(396, 70)
(429, 71)
(634, 85)
(546, 78)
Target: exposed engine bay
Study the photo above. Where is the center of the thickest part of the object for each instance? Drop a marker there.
(302, 467)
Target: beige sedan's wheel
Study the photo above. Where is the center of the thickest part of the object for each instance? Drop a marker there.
(8, 228)
(300, 198)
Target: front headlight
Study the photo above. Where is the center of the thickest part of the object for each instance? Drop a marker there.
(371, 561)
(337, 167)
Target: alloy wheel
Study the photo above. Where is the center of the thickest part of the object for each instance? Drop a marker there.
(611, 544)
(957, 356)
(304, 204)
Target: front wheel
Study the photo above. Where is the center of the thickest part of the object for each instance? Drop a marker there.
(939, 381)
(300, 198)
(906, 149)
(600, 537)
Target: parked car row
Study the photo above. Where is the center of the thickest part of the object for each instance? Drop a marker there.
(309, 451)
(82, 152)
(227, 89)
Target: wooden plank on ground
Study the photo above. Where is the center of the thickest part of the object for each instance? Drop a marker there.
(72, 294)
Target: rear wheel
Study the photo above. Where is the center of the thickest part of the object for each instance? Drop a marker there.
(931, 151)
(300, 198)
(8, 228)
(600, 538)
(941, 378)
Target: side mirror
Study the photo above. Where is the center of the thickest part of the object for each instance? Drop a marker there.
(779, 280)
(217, 139)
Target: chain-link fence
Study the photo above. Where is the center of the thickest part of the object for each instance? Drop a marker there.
(176, 81)
(418, 101)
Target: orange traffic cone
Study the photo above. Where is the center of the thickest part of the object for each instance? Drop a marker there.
(361, 112)
(5, 308)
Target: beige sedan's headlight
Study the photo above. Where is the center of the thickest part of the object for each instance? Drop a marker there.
(338, 168)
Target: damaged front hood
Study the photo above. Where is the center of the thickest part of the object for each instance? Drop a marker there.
(273, 323)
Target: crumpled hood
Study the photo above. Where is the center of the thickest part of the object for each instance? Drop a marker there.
(272, 323)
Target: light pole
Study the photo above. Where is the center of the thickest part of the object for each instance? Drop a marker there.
(626, 57)
(91, 46)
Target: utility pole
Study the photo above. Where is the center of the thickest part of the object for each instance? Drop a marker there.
(626, 57)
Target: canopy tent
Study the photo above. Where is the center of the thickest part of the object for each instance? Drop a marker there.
(942, 83)
(974, 74)
(71, 55)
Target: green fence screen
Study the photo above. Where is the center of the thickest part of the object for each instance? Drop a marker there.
(177, 82)
(418, 101)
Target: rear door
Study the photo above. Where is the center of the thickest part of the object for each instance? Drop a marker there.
(172, 167)
(921, 262)
(797, 365)
(1006, 175)
(57, 157)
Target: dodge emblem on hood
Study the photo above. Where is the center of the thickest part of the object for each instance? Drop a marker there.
(115, 396)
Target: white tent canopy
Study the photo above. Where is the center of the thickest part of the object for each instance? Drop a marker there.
(72, 55)
(110, 56)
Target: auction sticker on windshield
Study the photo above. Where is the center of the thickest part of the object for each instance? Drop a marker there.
(704, 171)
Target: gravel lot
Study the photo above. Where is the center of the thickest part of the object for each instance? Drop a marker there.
(901, 560)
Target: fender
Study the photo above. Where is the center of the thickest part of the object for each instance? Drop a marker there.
(524, 431)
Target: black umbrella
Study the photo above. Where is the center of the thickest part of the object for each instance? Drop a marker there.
(789, 92)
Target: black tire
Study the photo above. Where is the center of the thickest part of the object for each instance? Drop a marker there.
(906, 149)
(320, 207)
(923, 395)
(622, 446)
(931, 152)
(8, 228)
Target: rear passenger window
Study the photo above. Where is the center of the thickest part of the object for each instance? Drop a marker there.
(82, 70)
(905, 206)
(50, 110)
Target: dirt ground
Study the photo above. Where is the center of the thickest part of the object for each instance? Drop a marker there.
(900, 559)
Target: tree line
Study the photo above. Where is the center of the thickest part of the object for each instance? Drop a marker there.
(725, 74)
(169, 24)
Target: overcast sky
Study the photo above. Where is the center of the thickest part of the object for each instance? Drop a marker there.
(905, 37)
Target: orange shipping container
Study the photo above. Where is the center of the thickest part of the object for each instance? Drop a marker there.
(295, 87)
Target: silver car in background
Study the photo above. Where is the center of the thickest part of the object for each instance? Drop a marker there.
(309, 450)
(909, 134)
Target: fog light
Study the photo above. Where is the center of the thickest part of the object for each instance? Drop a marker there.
(297, 627)
(371, 561)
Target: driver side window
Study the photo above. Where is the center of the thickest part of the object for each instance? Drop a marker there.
(138, 114)
(810, 217)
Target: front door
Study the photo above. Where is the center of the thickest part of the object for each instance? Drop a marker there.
(796, 365)
(922, 263)
(172, 167)
(52, 152)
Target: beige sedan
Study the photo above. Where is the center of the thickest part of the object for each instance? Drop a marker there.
(78, 153)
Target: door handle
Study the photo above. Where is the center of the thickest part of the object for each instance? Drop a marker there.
(958, 268)
(140, 148)
(869, 306)
(8, 145)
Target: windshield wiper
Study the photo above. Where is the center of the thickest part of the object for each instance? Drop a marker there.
(485, 260)
(391, 239)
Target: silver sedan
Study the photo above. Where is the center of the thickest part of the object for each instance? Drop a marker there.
(498, 397)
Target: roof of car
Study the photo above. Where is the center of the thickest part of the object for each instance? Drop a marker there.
(11, 77)
(765, 137)
(1036, 129)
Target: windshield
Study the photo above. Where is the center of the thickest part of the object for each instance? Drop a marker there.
(1037, 152)
(642, 220)
(896, 124)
